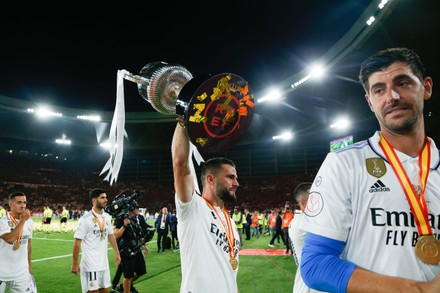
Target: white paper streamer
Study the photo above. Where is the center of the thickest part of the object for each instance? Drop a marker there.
(116, 136)
(194, 152)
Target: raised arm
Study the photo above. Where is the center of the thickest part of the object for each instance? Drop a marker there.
(180, 151)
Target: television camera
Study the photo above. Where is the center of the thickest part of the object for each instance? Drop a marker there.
(135, 236)
(122, 204)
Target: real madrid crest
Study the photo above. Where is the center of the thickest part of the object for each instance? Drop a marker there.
(376, 167)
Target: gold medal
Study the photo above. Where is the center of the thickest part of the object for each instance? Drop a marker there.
(428, 249)
(16, 246)
(234, 263)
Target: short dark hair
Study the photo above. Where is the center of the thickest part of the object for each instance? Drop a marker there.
(301, 190)
(213, 166)
(384, 58)
(94, 193)
(14, 194)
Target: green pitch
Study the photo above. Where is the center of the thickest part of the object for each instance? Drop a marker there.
(52, 260)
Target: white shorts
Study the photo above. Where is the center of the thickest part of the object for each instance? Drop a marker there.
(91, 281)
(24, 285)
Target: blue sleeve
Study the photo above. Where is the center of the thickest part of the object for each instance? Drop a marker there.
(321, 267)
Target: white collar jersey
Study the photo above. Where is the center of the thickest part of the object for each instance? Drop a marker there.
(297, 236)
(204, 249)
(94, 249)
(14, 262)
(357, 198)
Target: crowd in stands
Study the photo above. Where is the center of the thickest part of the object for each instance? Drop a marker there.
(58, 184)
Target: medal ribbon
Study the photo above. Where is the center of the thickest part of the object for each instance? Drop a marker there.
(100, 225)
(229, 233)
(10, 216)
(418, 205)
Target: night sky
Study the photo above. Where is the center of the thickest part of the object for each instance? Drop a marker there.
(67, 54)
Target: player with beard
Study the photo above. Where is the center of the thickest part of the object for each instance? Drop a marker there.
(372, 216)
(209, 239)
(92, 235)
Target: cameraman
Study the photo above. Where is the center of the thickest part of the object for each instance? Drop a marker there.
(131, 240)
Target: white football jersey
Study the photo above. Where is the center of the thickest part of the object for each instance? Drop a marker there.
(204, 249)
(297, 236)
(94, 244)
(14, 262)
(356, 197)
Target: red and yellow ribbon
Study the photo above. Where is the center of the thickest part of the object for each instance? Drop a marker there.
(228, 230)
(417, 204)
(100, 225)
(10, 216)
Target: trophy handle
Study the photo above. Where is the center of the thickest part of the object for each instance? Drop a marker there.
(135, 78)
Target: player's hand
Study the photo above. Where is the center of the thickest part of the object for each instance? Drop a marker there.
(117, 259)
(75, 269)
(25, 215)
(431, 286)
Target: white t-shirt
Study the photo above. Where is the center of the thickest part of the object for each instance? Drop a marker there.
(357, 198)
(297, 236)
(14, 263)
(94, 248)
(204, 249)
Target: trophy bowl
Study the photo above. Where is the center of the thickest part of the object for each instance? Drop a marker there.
(165, 83)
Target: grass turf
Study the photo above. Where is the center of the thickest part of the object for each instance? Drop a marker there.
(52, 259)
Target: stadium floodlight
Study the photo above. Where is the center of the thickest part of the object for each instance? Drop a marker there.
(106, 145)
(63, 141)
(382, 4)
(341, 123)
(371, 20)
(44, 112)
(273, 96)
(96, 118)
(283, 136)
(317, 71)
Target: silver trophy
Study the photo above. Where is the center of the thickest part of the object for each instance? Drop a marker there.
(216, 110)
(160, 84)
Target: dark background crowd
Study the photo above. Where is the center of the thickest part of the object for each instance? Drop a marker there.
(58, 183)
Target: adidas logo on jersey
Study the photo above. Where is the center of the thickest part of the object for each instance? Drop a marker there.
(378, 187)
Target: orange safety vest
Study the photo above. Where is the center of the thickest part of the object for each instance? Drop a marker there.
(273, 220)
(287, 218)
